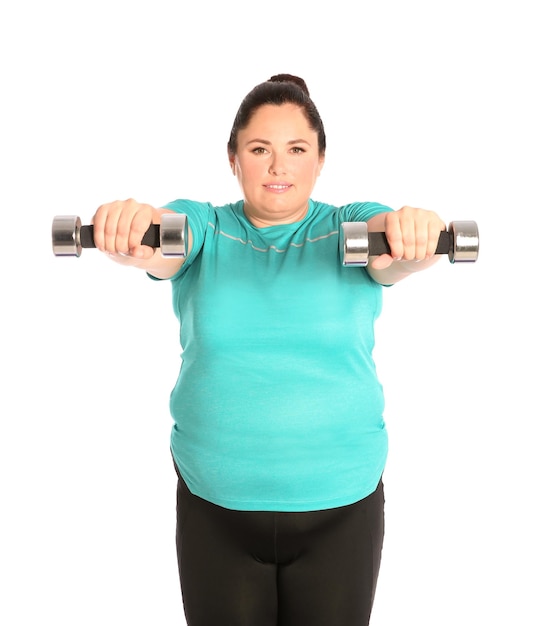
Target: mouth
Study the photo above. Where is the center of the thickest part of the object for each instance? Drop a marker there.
(278, 187)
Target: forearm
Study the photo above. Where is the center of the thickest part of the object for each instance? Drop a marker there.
(398, 270)
(157, 265)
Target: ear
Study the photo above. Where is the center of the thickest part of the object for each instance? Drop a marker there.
(321, 165)
(231, 160)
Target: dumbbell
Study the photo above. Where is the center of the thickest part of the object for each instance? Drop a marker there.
(356, 245)
(69, 236)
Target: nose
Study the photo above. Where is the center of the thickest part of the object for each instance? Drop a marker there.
(276, 166)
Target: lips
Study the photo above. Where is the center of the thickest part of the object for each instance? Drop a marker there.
(277, 187)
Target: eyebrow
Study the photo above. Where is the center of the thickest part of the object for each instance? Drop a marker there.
(268, 143)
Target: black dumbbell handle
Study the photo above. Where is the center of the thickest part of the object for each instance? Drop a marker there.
(150, 238)
(378, 243)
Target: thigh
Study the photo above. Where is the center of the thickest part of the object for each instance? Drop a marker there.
(332, 579)
(222, 581)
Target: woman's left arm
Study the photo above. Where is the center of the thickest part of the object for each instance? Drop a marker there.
(412, 236)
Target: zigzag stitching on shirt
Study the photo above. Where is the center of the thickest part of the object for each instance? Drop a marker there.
(249, 242)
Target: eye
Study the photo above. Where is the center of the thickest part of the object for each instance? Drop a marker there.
(297, 150)
(259, 150)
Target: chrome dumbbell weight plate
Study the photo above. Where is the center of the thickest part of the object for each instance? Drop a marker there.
(69, 237)
(66, 235)
(463, 242)
(356, 244)
(173, 232)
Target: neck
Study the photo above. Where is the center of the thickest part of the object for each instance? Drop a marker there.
(263, 220)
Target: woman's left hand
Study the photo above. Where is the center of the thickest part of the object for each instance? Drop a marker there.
(412, 235)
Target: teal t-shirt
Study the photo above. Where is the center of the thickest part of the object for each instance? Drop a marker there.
(277, 405)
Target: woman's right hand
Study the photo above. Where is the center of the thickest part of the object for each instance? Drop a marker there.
(119, 227)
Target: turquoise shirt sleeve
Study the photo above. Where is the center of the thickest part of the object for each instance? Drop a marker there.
(199, 215)
(362, 211)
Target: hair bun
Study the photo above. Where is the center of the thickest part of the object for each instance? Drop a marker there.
(289, 78)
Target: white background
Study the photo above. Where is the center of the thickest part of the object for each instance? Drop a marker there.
(424, 103)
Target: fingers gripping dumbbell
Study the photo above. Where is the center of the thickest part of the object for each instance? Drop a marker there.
(356, 244)
(69, 236)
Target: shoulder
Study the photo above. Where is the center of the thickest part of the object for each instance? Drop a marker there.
(362, 211)
(202, 214)
(185, 205)
(189, 207)
(351, 212)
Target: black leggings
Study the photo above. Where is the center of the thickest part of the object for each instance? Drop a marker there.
(252, 568)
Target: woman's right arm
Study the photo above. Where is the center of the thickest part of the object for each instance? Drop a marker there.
(119, 228)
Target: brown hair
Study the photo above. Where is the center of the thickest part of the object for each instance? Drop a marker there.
(279, 89)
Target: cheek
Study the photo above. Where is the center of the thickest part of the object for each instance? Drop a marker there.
(313, 171)
(251, 171)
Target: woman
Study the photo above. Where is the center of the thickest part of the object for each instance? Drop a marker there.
(279, 441)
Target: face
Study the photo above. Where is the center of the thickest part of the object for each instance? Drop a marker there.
(277, 164)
